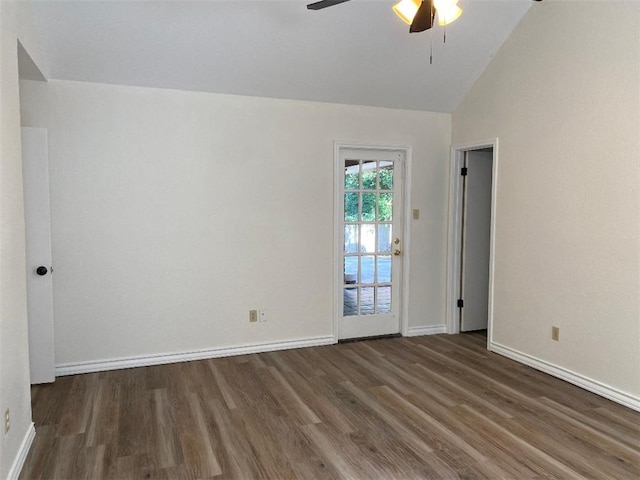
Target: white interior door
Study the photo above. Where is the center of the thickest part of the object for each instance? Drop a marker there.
(35, 165)
(370, 226)
(476, 240)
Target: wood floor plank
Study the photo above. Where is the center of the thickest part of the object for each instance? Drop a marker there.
(257, 427)
(54, 395)
(441, 438)
(341, 457)
(197, 440)
(239, 457)
(618, 426)
(167, 443)
(103, 423)
(584, 459)
(78, 405)
(222, 384)
(328, 413)
(540, 461)
(288, 398)
(135, 426)
(436, 407)
(497, 457)
(376, 367)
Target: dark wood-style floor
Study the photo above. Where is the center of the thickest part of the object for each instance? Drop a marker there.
(424, 407)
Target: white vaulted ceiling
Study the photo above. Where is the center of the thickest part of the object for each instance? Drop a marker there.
(357, 53)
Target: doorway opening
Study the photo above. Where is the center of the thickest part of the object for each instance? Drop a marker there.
(35, 167)
(471, 237)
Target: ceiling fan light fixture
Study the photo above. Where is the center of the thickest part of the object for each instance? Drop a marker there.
(407, 9)
(445, 17)
(447, 10)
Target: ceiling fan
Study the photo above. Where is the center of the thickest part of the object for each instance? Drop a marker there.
(418, 14)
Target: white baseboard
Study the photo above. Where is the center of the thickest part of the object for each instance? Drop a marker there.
(147, 360)
(18, 462)
(428, 330)
(581, 381)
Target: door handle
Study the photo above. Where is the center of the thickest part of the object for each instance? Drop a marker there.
(397, 252)
(41, 270)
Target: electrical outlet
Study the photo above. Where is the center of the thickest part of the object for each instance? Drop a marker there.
(555, 333)
(263, 315)
(253, 316)
(7, 421)
(416, 214)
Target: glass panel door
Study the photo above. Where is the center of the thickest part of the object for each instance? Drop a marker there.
(371, 214)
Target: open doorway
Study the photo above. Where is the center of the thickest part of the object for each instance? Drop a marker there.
(471, 233)
(37, 211)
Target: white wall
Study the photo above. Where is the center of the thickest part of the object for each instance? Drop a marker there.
(563, 97)
(15, 23)
(174, 213)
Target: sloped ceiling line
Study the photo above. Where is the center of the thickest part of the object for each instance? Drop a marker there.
(357, 53)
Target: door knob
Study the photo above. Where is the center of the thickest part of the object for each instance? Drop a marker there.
(397, 252)
(396, 241)
(41, 270)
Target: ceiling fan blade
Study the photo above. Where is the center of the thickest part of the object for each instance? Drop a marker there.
(424, 18)
(324, 4)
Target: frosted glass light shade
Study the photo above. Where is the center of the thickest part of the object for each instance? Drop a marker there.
(448, 11)
(445, 17)
(407, 9)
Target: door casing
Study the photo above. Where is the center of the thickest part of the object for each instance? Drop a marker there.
(338, 277)
(455, 232)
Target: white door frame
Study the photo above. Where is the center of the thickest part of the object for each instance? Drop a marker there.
(455, 232)
(338, 275)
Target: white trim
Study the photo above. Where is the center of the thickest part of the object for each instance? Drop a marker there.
(581, 381)
(338, 188)
(428, 330)
(453, 244)
(147, 360)
(21, 456)
(492, 239)
(454, 233)
(403, 321)
(406, 231)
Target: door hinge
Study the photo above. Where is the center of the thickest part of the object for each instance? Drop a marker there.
(460, 303)
(463, 171)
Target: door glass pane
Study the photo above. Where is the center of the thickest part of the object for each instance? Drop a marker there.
(369, 206)
(383, 299)
(385, 207)
(350, 301)
(351, 207)
(368, 247)
(369, 175)
(367, 302)
(368, 239)
(351, 174)
(368, 269)
(384, 269)
(386, 175)
(351, 269)
(384, 237)
(350, 238)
